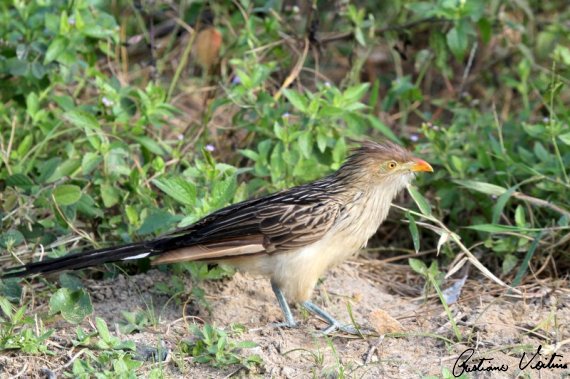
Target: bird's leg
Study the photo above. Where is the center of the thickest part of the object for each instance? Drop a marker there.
(334, 324)
(289, 320)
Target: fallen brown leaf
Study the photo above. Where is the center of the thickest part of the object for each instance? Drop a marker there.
(383, 323)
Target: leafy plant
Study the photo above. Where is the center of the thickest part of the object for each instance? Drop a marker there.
(213, 346)
(73, 305)
(17, 330)
(135, 322)
(435, 277)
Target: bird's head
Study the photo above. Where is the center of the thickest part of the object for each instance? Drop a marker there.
(382, 164)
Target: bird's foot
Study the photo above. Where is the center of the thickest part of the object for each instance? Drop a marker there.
(285, 324)
(334, 324)
(289, 319)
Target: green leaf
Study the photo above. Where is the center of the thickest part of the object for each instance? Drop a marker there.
(485, 29)
(533, 130)
(11, 289)
(565, 138)
(25, 145)
(73, 305)
(56, 47)
(279, 131)
(11, 237)
(6, 307)
(150, 144)
(19, 180)
(102, 329)
(70, 281)
(250, 154)
(383, 128)
(177, 188)
(418, 266)
(306, 143)
(66, 194)
(132, 214)
(458, 163)
(157, 220)
(321, 141)
(47, 169)
(488, 188)
(457, 41)
(528, 256)
(541, 152)
(89, 162)
(355, 93)
(246, 345)
(296, 99)
(339, 150)
(82, 119)
(359, 36)
(496, 228)
(277, 163)
(414, 232)
(420, 200)
(88, 207)
(520, 216)
(509, 263)
(500, 204)
(32, 104)
(110, 195)
(224, 191)
(65, 168)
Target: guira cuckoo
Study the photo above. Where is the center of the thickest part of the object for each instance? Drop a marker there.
(292, 236)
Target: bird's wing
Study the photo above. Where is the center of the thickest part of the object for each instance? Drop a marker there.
(273, 224)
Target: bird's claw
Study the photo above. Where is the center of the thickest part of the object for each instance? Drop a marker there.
(287, 325)
(334, 327)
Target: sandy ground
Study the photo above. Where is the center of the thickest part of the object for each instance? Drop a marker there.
(500, 328)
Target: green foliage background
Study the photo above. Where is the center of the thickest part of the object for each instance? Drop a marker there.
(98, 149)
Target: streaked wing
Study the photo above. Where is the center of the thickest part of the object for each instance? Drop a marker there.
(288, 227)
(281, 222)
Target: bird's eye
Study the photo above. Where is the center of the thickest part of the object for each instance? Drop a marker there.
(391, 165)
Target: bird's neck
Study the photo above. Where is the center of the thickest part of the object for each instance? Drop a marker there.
(367, 207)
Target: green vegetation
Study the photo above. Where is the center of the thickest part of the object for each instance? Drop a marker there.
(103, 141)
(212, 346)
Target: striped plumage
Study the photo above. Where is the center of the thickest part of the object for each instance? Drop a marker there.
(292, 236)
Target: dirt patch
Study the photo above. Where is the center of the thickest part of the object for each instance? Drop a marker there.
(498, 327)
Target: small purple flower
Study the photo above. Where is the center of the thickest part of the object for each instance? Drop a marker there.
(546, 120)
(180, 137)
(210, 148)
(106, 102)
(286, 115)
(327, 84)
(414, 137)
(236, 80)
(71, 20)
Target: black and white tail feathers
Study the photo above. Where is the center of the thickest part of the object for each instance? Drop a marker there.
(86, 259)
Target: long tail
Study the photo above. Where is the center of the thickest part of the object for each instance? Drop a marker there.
(85, 259)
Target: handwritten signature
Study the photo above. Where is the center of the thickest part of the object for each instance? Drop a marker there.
(532, 362)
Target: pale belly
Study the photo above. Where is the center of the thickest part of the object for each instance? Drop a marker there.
(297, 272)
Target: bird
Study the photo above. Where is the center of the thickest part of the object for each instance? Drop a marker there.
(292, 236)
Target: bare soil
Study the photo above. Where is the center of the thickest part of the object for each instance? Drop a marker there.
(499, 326)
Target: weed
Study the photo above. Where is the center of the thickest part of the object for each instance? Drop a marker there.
(212, 346)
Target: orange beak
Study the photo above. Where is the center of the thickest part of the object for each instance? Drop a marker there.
(421, 165)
